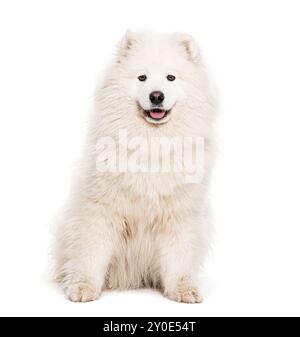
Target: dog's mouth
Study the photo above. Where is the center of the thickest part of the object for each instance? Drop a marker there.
(157, 114)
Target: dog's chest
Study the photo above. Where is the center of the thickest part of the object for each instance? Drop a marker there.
(135, 260)
(146, 211)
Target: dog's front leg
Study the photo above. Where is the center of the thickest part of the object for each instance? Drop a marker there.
(84, 250)
(179, 263)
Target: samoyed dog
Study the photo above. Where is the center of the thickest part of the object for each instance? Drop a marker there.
(129, 224)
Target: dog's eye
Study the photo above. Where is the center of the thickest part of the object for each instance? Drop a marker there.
(142, 78)
(171, 77)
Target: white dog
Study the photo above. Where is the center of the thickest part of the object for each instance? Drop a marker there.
(129, 226)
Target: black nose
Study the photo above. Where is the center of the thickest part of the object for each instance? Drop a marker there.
(156, 97)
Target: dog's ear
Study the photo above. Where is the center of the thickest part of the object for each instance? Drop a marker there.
(189, 46)
(126, 44)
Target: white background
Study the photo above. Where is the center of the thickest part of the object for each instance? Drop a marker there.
(50, 57)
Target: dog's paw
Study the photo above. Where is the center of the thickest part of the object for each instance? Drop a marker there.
(82, 292)
(184, 292)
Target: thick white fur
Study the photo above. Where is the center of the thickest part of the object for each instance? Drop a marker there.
(129, 230)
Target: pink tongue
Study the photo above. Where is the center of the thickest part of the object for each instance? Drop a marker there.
(157, 115)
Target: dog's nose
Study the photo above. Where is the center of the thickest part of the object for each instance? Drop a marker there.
(156, 97)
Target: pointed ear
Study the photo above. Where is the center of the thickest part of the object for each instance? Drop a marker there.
(189, 47)
(126, 44)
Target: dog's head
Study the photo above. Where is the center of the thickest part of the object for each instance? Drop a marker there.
(158, 73)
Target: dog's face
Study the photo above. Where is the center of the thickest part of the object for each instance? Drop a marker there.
(156, 91)
(156, 69)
